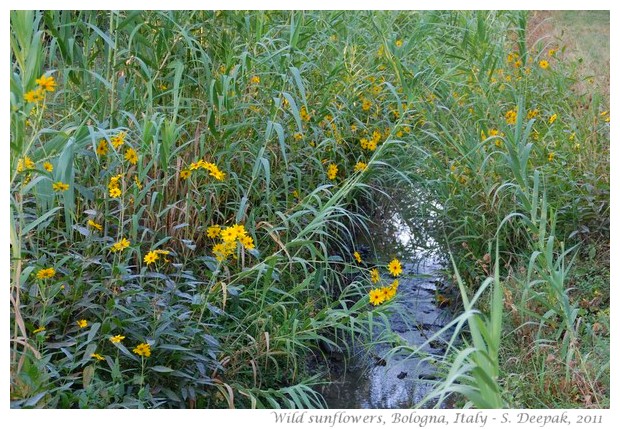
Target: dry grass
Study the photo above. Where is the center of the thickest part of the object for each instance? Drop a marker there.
(584, 36)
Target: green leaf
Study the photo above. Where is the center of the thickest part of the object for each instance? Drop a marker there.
(161, 368)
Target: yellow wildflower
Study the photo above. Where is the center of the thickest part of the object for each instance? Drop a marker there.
(184, 174)
(303, 112)
(46, 273)
(605, 114)
(392, 288)
(47, 83)
(115, 192)
(332, 171)
(83, 323)
(366, 104)
(214, 231)
(48, 166)
(255, 79)
(229, 234)
(218, 174)
(151, 257)
(239, 230)
(94, 224)
(102, 147)
(60, 187)
(131, 156)
(389, 292)
(97, 356)
(374, 275)
(25, 164)
(399, 43)
(117, 338)
(544, 64)
(213, 170)
(532, 113)
(395, 268)
(551, 52)
(221, 251)
(34, 96)
(118, 139)
(553, 118)
(247, 242)
(120, 245)
(550, 156)
(511, 117)
(386, 293)
(376, 297)
(142, 349)
(357, 257)
(39, 329)
(360, 166)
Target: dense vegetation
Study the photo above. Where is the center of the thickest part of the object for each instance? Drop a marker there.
(188, 188)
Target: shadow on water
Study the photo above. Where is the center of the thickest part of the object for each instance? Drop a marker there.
(378, 378)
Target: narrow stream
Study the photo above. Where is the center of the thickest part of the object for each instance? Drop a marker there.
(382, 380)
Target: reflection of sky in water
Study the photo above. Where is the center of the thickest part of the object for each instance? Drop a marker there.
(399, 230)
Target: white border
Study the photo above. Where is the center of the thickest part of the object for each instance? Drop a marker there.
(142, 419)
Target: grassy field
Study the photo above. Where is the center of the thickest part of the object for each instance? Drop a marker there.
(188, 190)
(584, 36)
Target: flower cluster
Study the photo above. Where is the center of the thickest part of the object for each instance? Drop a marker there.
(213, 170)
(303, 113)
(332, 171)
(116, 142)
(120, 245)
(45, 84)
(511, 117)
(231, 236)
(380, 295)
(114, 188)
(25, 163)
(370, 143)
(142, 349)
(153, 256)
